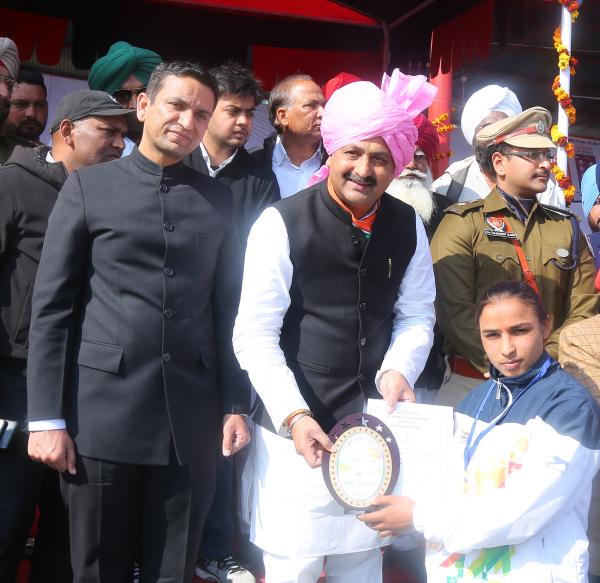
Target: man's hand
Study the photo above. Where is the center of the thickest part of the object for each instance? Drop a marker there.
(394, 515)
(394, 387)
(310, 441)
(54, 448)
(235, 434)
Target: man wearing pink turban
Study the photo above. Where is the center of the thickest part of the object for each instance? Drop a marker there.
(336, 308)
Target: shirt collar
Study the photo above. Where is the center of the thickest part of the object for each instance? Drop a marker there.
(280, 156)
(212, 173)
(49, 158)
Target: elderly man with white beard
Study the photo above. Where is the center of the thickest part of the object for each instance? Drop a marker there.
(413, 186)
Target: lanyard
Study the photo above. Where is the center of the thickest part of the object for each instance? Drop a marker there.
(528, 275)
(470, 449)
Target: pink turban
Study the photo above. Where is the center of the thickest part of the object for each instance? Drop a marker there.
(361, 111)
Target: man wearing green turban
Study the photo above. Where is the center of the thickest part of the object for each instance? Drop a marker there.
(123, 71)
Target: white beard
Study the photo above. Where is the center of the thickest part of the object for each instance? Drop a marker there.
(416, 192)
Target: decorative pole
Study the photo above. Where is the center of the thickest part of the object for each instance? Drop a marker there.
(565, 82)
(561, 88)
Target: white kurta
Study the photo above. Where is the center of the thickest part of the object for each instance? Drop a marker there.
(292, 512)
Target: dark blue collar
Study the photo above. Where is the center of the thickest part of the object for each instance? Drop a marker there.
(523, 380)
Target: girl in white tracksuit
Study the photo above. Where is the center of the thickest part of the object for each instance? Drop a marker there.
(525, 450)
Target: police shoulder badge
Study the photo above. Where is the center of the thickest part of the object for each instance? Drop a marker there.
(499, 228)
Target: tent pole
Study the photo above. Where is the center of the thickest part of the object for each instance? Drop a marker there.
(386, 46)
(565, 81)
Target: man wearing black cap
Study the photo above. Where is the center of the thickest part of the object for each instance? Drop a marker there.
(88, 129)
(130, 343)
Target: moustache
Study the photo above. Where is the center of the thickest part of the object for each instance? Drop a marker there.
(413, 172)
(367, 181)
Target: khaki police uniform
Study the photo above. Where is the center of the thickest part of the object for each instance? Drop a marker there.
(472, 250)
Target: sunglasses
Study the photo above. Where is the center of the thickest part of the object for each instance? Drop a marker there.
(8, 81)
(535, 155)
(123, 96)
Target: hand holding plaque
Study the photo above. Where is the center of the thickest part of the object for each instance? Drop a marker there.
(365, 463)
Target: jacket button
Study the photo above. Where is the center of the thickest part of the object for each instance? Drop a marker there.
(168, 313)
(362, 306)
(169, 271)
(166, 357)
(354, 240)
(169, 227)
(363, 271)
(363, 341)
(361, 376)
(164, 188)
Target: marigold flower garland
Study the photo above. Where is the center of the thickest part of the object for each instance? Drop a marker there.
(564, 57)
(572, 6)
(443, 128)
(439, 125)
(564, 182)
(565, 100)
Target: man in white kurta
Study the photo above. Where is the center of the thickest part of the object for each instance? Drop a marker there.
(336, 307)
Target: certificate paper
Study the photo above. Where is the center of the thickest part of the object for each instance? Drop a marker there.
(424, 436)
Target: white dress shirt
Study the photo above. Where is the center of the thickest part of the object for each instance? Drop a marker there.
(292, 178)
(476, 186)
(265, 299)
(212, 173)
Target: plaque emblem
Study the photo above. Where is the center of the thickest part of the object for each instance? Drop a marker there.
(366, 462)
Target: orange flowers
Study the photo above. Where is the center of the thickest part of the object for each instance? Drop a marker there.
(564, 57)
(439, 125)
(564, 182)
(562, 141)
(565, 100)
(572, 6)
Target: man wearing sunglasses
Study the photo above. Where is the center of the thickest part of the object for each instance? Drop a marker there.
(508, 235)
(124, 73)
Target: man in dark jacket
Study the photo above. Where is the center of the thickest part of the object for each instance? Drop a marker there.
(130, 343)
(88, 129)
(221, 154)
(295, 151)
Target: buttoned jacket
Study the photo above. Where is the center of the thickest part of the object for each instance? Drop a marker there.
(133, 310)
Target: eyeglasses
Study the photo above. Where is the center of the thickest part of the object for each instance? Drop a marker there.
(8, 81)
(123, 96)
(535, 155)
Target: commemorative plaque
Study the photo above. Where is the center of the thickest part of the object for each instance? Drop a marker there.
(365, 464)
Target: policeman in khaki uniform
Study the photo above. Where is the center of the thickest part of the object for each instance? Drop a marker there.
(508, 235)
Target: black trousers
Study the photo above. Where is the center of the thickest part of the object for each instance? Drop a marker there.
(23, 485)
(125, 513)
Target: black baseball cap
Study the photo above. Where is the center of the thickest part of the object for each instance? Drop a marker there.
(87, 103)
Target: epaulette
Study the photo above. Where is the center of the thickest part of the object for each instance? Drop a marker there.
(462, 208)
(565, 213)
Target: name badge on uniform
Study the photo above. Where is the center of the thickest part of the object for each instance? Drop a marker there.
(499, 229)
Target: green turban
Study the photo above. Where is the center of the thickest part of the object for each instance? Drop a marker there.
(122, 60)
